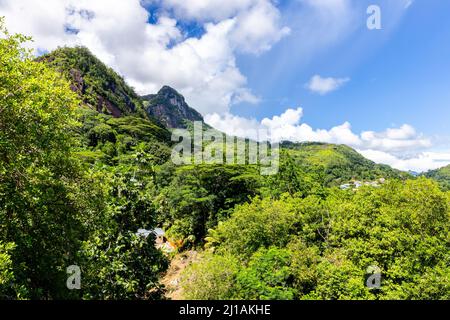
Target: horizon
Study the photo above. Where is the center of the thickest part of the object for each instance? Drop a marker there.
(306, 70)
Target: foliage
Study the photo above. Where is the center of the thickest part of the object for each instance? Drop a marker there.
(56, 211)
(100, 87)
(113, 141)
(198, 197)
(337, 164)
(44, 206)
(326, 245)
(212, 278)
(442, 176)
(267, 276)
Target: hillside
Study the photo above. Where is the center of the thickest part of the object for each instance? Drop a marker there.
(339, 163)
(170, 108)
(114, 123)
(99, 86)
(442, 176)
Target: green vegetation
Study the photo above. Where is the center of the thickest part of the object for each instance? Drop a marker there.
(100, 87)
(55, 210)
(339, 163)
(442, 176)
(198, 197)
(315, 248)
(83, 167)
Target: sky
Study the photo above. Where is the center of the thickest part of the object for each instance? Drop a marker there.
(307, 70)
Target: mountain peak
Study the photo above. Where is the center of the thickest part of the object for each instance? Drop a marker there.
(170, 108)
(166, 90)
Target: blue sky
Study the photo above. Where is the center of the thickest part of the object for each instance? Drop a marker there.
(307, 70)
(397, 76)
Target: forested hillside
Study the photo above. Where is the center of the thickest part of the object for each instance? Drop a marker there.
(339, 163)
(442, 176)
(100, 87)
(84, 165)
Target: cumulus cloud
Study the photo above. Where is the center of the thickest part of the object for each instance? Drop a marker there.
(402, 148)
(323, 86)
(150, 55)
(257, 22)
(395, 140)
(419, 162)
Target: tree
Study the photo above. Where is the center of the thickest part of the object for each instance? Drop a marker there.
(268, 276)
(314, 248)
(57, 211)
(213, 278)
(45, 197)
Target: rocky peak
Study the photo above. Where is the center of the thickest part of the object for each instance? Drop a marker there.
(170, 108)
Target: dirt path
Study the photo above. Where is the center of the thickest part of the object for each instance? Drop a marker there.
(173, 276)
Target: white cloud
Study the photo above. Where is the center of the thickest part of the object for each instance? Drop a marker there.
(151, 55)
(257, 22)
(258, 28)
(419, 162)
(395, 140)
(234, 125)
(402, 148)
(323, 86)
(206, 10)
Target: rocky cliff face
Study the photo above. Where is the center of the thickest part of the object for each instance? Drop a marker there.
(100, 87)
(170, 108)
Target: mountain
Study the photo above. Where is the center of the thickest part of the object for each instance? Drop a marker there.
(114, 124)
(170, 108)
(99, 86)
(442, 176)
(147, 119)
(339, 163)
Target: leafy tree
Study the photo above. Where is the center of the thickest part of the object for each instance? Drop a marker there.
(198, 197)
(212, 279)
(401, 228)
(57, 211)
(268, 276)
(263, 223)
(44, 198)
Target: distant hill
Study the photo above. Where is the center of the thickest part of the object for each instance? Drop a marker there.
(339, 163)
(170, 108)
(442, 176)
(99, 86)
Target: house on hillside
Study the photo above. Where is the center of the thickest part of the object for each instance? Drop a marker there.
(355, 185)
(161, 242)
(358, 184)
(160, 235)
